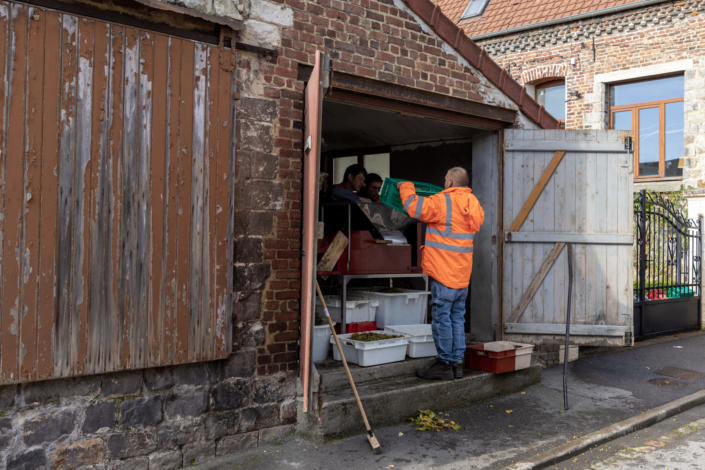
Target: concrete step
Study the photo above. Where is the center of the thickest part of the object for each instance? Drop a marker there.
(393, 400)
(333, 376)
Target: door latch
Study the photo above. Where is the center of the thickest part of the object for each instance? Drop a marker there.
(227, 49)
(628, 143)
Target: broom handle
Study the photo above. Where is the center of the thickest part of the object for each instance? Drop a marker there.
(342, 356)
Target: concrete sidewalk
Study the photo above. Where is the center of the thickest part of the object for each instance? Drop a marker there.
(603, 390)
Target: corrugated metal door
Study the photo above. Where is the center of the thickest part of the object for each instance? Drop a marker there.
(115, 150)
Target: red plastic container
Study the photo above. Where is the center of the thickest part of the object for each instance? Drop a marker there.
(359, 327)
(498, 357)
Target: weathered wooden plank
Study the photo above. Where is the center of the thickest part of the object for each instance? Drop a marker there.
(82, 190)
(49, 196)
(548, 225)
(32, 189)
(507, 214)
(171, 333)
(98, 314)
(559, 329)
(222, 263)
(197, 319)
(579, 267)
(128, 277)
(574, 146)
(143, 232)
(527, 251)
(611, 226)
(517, 250)
(13, 243)
(5, 59)
(160, 123)
(595, 271)
(535, 283)
(209, 199)
(537, 302)
(332, 255)
(186, 121)
(536, 192)
(115, 333)
(584, 238)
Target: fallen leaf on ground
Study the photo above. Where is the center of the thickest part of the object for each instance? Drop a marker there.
(655, 443)
(523, 393)
(401, 434)
(509, 411)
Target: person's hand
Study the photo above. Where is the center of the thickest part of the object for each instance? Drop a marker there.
(400, 183)
(364, 199)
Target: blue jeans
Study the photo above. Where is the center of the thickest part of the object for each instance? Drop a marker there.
(448, 325)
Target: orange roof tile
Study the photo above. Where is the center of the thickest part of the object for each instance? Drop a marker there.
(505, 14)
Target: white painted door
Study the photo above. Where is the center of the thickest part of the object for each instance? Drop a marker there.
(586, 202)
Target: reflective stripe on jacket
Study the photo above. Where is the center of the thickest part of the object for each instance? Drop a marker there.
(452, 217)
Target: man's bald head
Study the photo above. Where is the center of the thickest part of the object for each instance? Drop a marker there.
(457, 177)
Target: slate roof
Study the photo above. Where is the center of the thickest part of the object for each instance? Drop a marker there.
(500, 15)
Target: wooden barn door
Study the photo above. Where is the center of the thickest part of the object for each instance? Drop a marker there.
(568, 187)
(115, 150)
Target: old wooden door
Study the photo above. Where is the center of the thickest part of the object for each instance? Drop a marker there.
(567, 187)
(116, 158)
(313, 114)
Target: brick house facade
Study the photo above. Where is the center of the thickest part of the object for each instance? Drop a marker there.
(638, 43)
(181, 414)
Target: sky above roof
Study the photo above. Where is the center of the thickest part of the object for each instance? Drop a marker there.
(505, 14)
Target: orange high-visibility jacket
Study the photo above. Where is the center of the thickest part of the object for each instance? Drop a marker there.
(452, 217)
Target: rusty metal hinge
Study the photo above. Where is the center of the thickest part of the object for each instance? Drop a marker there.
(227, 49)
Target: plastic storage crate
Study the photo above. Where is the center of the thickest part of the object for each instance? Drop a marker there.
(498, 357)
(321, 342)
(357, 308)
(391, 197)
(408, 307)
(420, 339)
(370, 353)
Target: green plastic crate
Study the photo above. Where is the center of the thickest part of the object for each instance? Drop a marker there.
(679, 292)
(391, 197)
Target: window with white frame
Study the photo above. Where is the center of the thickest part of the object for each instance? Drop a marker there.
(552, 96)
(474, 8)
(653, 109)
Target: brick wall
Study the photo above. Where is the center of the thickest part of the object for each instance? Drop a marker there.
(165, 418)
(376, 39)
(658, 34)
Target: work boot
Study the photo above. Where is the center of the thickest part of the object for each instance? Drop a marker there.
(438, 371)
(458, 371)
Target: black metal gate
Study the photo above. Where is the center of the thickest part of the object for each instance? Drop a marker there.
(667, 260)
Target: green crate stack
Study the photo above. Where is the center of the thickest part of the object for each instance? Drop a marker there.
(391, 197)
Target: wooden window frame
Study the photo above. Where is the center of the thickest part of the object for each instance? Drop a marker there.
(635, 108)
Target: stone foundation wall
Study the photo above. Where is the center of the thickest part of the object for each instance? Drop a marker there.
(162, 418)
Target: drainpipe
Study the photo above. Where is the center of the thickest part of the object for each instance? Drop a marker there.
(567, 19)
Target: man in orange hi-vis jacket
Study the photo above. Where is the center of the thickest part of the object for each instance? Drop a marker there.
(452, 217)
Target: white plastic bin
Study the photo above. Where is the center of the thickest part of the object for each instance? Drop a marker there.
(420, 339)
(371, 353)
(357, 309)
(321, 342)
(407, 307)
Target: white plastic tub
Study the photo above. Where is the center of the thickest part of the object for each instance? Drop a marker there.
(405, 308)
(371, 353)
(321, 342)
(357, 309)
(420, 339)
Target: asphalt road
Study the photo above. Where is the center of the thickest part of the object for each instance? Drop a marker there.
(503, 430)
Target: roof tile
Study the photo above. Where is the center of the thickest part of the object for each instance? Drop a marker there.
(505, 14)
